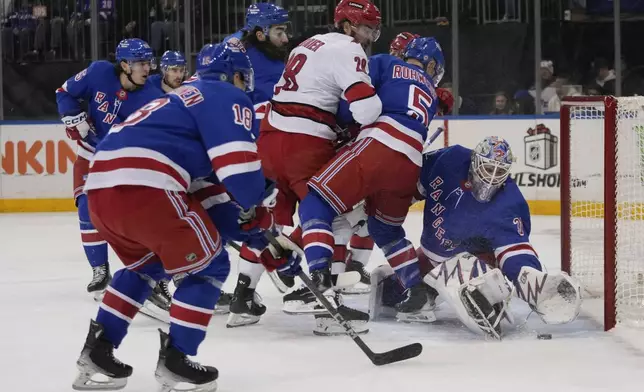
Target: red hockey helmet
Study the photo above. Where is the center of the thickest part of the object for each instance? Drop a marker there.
(359, 12)
(398, 45)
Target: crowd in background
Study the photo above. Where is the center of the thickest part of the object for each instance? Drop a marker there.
(37, 31)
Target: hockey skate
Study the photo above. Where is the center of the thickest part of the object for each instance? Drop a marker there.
(157, 306)
(281, 282)
(303, 301)
(97, 358)
(246, 307)
(175, 367)
(419, 305)
(362, 287)
(325, 324)
(101, 278)
(223, 303)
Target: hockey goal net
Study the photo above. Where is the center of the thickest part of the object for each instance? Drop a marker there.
(602, 202)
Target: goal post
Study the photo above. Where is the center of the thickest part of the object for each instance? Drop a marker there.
(602, 202)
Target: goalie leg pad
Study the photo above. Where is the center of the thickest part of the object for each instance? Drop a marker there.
(479, 295)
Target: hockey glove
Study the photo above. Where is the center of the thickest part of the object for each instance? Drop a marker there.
(287, 265)
(445, 101)
(256, 220)
(78, 126)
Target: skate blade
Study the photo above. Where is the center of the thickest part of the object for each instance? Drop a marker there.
(240, 320)
(222, 310)
(416, 317)
(98, 295)
(277, 282)
(330, 327)
(170, 383)
(85, 380)
(357, 290)
(296, 308)
(154, 312)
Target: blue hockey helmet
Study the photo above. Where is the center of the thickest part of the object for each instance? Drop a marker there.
(490, 166)
(133, 49)
(222, 61)
(429, 52)
(172, 59)
(265, 15)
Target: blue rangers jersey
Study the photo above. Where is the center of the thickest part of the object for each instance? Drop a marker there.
(454, 222)
(267, 73)
(409, 103)
(108, 103)
(182, 137)
(156, 80)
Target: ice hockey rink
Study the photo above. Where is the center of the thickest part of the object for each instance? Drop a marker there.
(46, 312)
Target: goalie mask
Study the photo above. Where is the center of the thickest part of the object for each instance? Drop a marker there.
(490, 167)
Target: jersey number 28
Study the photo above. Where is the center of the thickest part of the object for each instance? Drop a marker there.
(419, 104)
(292, 68)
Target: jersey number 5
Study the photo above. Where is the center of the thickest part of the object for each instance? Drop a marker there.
(292, 68)
(419, 103)
(141, 114)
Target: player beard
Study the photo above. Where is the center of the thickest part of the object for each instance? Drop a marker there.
(271, 51)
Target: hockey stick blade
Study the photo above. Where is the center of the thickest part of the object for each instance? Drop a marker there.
(378, 359)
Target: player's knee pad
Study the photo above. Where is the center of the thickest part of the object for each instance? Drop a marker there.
(384, 234)
(314, 209)
(342, 230)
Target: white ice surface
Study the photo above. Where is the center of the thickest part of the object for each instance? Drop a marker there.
(46, 312)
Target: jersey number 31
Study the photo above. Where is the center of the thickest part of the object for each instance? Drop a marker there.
(419, 104)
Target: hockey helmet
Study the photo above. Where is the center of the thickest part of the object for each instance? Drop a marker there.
(429, 52)
(490, 166)
(265, 15)
(172, 59)
(133, 50)
(359, 13)
(222, 61)
(399, 44)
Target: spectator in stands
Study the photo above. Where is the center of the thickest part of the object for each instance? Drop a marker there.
(547, 87)
(502, 105)
(563, 88)
(604, 76)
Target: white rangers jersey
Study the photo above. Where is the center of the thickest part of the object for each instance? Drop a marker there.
(321, 71)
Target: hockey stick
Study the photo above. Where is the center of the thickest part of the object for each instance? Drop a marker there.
(378, 359)
(433, 137)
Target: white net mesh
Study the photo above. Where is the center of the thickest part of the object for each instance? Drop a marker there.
(587, 203)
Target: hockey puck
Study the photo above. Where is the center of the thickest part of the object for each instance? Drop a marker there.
(544, 336)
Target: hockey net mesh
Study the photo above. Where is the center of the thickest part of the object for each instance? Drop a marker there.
(587, 207)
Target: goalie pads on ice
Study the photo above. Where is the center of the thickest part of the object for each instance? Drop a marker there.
(479, 294)
(556, 297)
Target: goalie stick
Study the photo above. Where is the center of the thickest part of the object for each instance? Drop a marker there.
(396, 355)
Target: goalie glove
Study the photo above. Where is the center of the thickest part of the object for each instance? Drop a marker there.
(477, 293)
(77, 127)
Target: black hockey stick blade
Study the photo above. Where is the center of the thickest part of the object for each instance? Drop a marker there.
(378, 359)
(396, 355)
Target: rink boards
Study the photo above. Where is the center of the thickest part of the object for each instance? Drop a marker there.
(37, 159)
